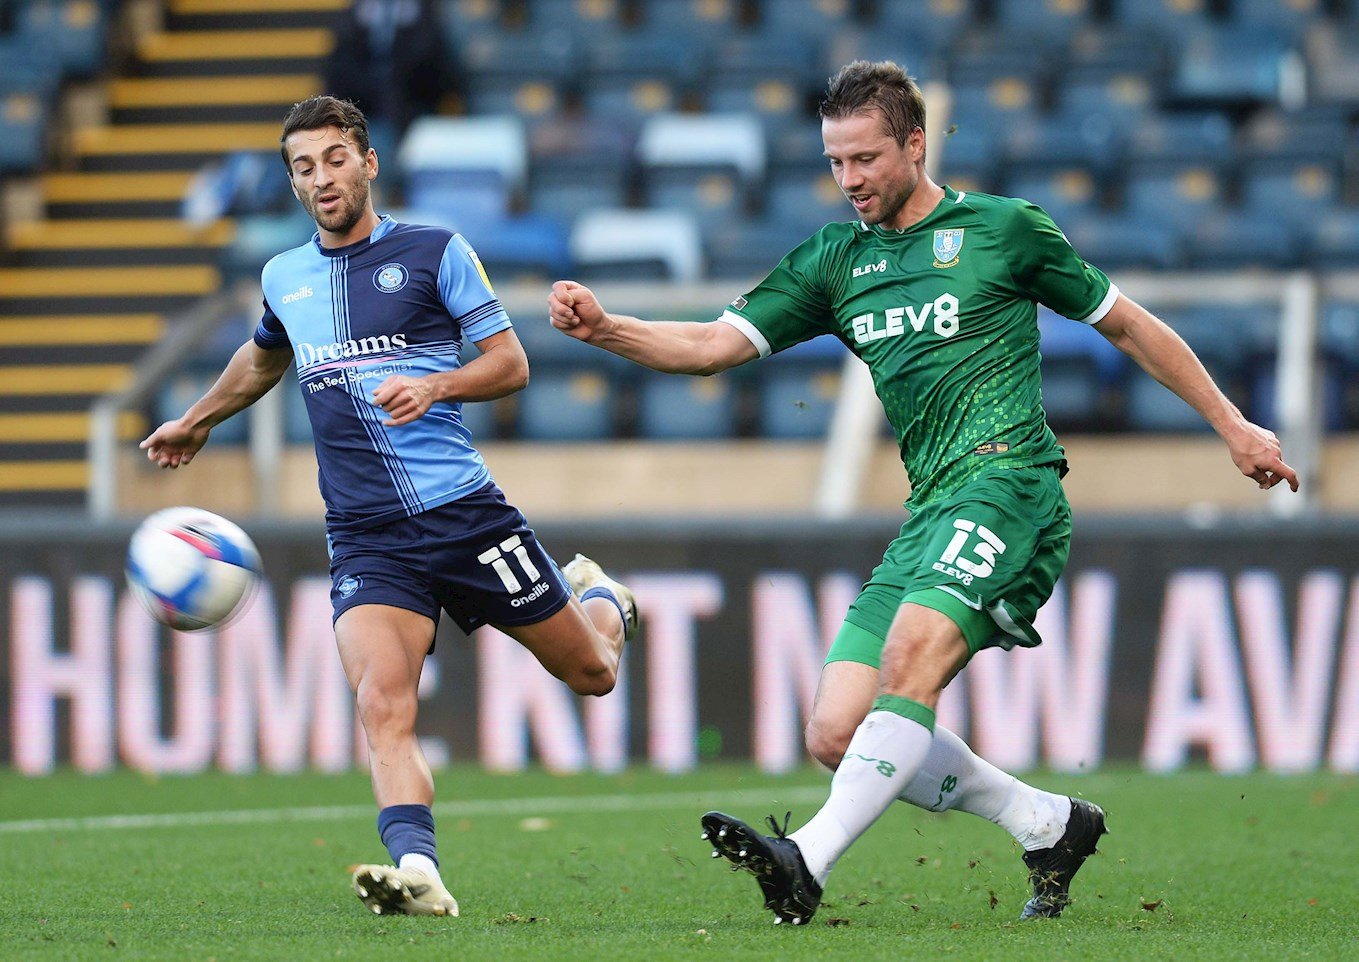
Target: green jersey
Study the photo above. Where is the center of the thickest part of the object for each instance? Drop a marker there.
(945, 315)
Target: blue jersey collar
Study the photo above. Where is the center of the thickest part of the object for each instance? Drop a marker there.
(384, 227)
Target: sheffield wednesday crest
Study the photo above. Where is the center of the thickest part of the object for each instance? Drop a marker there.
(948, 244)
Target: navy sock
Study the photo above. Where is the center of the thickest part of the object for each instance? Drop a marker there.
(406, 829)
(599, 591)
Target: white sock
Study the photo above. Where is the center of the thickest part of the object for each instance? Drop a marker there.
(953, 776)
(882, 758)
(421, 863)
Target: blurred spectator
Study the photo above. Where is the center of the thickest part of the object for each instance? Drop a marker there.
(391, 60)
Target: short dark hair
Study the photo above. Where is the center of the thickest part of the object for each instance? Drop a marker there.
(321, 111)
(863, 85)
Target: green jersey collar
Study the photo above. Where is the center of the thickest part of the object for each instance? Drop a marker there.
(950, 198)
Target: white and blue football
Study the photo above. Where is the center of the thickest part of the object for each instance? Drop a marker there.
(191, 569)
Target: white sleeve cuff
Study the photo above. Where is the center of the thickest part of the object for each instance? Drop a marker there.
(1105, 306)
(751, 332)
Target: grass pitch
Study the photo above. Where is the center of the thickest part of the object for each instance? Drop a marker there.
(1198, 866)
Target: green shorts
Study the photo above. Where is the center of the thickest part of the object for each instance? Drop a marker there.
(987, 557)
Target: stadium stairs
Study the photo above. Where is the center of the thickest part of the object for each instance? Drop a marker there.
(86, 290)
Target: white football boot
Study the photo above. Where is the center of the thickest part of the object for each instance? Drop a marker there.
(388, 890)
(583, 574)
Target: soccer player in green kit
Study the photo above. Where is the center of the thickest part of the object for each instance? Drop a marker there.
(936, 291)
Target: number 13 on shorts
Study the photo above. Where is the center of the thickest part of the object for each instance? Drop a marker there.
(987, 547)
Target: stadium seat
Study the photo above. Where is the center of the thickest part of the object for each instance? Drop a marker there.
(715, 196)
(1181, 137)
(1335, 239)
(922, 60)
(522, 244)
(780, 103)
(806, 18)
(1231, 65)
(1102, 51)
(1063, 192)
(1080, 368)
(1290, 17)
(1223, 338)
(524, 73)
(707, 141)
(186, 387)
(565, 405)
(587, 20)
(261, 236)
(806, 200)
(672, 408)
(23, 125)
(984, 55)
(1123, 241)
(1315, 134)
(1295, 191)
(1089, 139)
(748, 249)
(566, 189)
(71, 30)
(1056, 19)
(1229, 238)
(1169, 17)
(1177, 194)
(1125, 97)
(935, 23)
(1339, 333)
(435, 147)
(637, 244)
(797, 402)
(1263, 409)
(1333, 63)
(706, 21)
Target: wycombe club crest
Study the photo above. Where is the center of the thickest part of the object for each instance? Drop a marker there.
(390, 278)
(948, 244)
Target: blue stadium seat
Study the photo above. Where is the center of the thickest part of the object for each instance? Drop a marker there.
(1126, 97)
(806, 200)
(1232, 65)
(581, 20)
(1063, 192)
(1291, 17)
(806, 18)
(714, 195)
(936, 23)
(1339, 333)
(674, 408)
(23, 125)
(1263, 408)
(523, 73)
(261, 236)
(28, 67)
(986, 55)
(523, 244)
(465, 22)
(1123, 241)
(1333, 64)
(1222, 338)
(72, 30)
(779, 102)
(922, 60)
(1105, 51)
(617, 61)
(564, 189)
(797, 147)
(749, 249)
(561, 404)
(707, 21)
(637, 245)
(1090, 139)
(1169, 17)
(1058, 18)
(1181, 137)
(1079, 368)
(1175, 194)
(797, 390)
(1335, 239)
(1228, 239)
(746, 56)
(1295, 191)
(1316, 134)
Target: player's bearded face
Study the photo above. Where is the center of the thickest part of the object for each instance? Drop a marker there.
(334, 188)
(876, 174)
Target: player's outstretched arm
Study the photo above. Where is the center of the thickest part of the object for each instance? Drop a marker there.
(248, 376)
(1162, 353)
(675, 347)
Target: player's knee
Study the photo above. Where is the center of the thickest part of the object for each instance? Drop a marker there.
(595, 678)
(385, 709)
(827, 744)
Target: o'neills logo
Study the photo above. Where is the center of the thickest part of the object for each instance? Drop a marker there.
(309, 355)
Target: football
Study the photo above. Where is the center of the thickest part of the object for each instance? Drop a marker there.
(191, 569)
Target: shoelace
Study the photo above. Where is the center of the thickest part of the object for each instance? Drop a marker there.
(773, 823)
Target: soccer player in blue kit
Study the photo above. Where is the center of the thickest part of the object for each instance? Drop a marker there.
(375, 313)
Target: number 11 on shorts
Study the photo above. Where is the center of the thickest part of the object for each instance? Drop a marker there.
(495, 557)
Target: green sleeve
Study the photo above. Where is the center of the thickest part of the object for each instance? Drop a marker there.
(1048, 270)
(789, 306)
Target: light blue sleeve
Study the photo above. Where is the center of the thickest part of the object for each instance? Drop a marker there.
(467, 294)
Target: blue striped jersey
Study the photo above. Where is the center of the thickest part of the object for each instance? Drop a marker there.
(402, 301)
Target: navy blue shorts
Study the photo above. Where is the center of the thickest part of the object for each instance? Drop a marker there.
(476, 558)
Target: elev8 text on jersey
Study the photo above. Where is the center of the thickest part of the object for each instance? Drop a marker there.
(402, 301)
